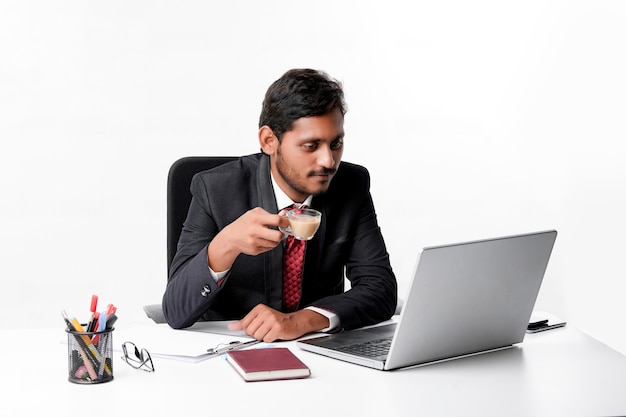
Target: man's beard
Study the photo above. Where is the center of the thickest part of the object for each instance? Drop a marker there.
(285, 173)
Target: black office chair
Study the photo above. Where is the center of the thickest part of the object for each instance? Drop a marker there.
(178, 200)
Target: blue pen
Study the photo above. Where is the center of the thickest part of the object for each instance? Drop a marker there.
(102, 321)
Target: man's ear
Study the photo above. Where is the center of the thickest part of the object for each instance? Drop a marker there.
(267, 140)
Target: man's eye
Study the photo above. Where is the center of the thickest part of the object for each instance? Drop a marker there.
(336, 144)
(310, 146)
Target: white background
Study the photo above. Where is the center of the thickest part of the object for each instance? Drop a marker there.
(476, 119)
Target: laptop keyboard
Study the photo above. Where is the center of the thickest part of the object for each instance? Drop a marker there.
(372, 349)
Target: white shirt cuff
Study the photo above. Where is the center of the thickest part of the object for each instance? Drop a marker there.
(217, 276)
(332, 318)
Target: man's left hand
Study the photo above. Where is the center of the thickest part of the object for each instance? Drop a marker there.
(266, 324)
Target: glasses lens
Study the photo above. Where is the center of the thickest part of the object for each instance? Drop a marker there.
(147, 360)
(138, 359)
(138, 355)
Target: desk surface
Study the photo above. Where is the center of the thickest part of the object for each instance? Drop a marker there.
(560, 372)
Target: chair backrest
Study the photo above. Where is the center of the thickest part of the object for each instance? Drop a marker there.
(179, 197)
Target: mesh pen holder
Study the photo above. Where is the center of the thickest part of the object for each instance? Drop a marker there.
(90, 356)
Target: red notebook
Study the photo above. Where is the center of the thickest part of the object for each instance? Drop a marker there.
(266, 364)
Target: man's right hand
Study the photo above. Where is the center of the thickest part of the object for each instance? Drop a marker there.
(249, 234)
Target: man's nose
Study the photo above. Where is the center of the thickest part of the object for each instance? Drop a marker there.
(325, 157)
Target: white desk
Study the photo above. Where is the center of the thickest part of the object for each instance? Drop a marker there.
(560, 372)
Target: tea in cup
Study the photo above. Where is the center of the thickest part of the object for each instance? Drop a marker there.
(303, 223)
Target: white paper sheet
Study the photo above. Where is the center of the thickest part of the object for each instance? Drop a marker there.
(189, 344)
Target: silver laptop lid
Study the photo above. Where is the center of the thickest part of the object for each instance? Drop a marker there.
(470, 297)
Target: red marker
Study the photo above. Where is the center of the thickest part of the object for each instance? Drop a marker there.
(92, 308)
(110, 309)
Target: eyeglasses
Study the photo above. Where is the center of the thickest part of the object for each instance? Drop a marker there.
(138, 359)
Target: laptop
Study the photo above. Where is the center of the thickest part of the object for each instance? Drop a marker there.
(464, 299)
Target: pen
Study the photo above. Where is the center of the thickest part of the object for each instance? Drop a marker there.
(100, 326)
(235, 345)
(111, 319)
(92, 308)
(111, 309)
(103, 363)
(102, 321)
(88, 364)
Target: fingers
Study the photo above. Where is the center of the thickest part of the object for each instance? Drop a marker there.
(255, 231)
(260, 217)
(254, 243)
(257, 324)
(267, 219)
(265, 323)
(235, 326)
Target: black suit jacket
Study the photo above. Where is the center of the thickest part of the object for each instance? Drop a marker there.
(348, 242)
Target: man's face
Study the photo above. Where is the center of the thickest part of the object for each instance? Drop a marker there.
(308, 155)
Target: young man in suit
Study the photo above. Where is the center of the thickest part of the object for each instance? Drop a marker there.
(229, 262)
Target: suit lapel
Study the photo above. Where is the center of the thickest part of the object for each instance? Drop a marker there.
(272, 260)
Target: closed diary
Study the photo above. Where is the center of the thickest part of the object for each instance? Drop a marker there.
(267, 364)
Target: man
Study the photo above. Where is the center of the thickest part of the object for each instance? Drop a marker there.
(229, 262)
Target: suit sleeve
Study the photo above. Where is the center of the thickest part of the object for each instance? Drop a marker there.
(191, 288)
(372, 297)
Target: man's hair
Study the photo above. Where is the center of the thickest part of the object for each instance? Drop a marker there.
(300, 93)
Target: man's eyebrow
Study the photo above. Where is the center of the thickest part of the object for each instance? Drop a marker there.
(316, 139)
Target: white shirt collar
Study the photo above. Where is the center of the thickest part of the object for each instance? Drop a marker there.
(282, 200)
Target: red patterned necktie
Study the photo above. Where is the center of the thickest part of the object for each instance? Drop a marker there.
(293, 261)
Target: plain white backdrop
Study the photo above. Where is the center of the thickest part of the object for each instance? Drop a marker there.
(475, 118)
